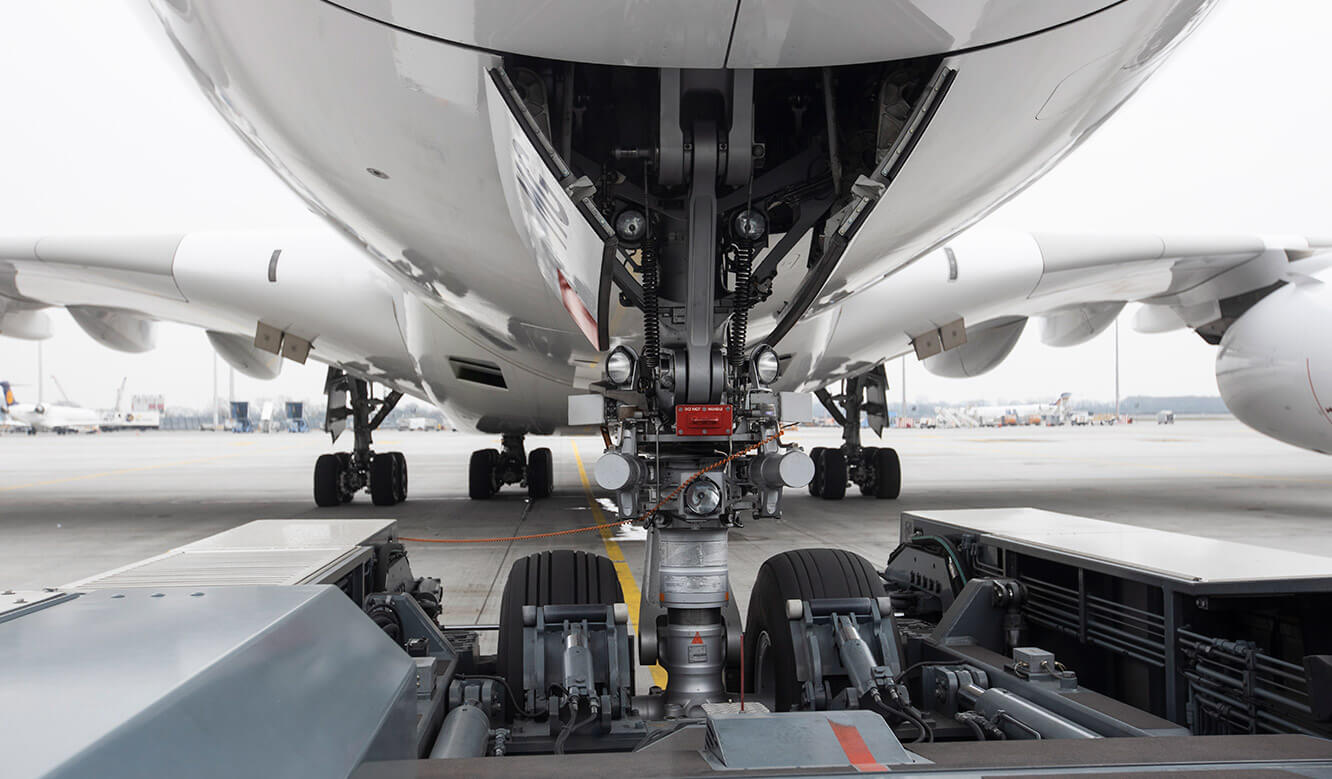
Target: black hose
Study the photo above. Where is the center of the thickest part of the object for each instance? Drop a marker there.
(569, 728)
(517, 707)
(924, 731)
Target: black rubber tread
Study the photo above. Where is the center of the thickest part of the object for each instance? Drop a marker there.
(834, 475)
(540, 473)
(400, 483)
(558, 577)
(800, 574)
(887, 474)
(481, 474)
(816, 483)
(327, 475)
(383, 479)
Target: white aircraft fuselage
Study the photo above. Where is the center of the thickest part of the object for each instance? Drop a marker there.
(384, 122)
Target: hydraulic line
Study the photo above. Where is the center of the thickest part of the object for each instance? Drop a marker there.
(737, 334)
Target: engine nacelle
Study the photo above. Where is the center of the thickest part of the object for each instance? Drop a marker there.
(240, 353)
(124, 331)
(1274, 368)
(29, 325)
(988, 343)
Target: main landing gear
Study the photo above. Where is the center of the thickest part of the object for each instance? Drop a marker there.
(491, 469)
(877, 471)
(339, 476)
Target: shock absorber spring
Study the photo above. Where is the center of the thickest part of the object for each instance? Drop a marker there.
(735, 344)
(651, 321)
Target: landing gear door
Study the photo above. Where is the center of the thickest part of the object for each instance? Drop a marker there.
(876, 399)
(573, 245)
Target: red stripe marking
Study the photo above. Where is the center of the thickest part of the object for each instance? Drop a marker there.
(574, 305)
(857, 751)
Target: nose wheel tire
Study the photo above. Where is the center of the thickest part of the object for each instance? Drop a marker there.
(540, 474)
(557, 578)
(481, 474)
(800, 574)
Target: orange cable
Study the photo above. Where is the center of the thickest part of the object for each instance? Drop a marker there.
(589, 528)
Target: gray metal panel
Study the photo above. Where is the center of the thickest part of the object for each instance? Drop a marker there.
(1155, 553)
(803, 739)
(267, 551)
(228, 681)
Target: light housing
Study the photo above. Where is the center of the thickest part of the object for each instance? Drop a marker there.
(702, 497)
(765, 366)
(749, 225)
(621, 365)
(630, 226)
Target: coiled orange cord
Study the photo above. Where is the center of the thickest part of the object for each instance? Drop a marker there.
(645, 517)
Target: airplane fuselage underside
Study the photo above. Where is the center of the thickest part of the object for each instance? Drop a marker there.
(387, 126)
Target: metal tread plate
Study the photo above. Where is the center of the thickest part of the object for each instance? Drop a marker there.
(267, 551)
(1154, 553)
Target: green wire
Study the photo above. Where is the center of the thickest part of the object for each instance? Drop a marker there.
(948, 548)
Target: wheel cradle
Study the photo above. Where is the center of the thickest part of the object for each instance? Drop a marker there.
(556, 578)
(800, 574)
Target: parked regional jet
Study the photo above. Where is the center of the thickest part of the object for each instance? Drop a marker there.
(686, 211)
(1022, 413)
(53, 417)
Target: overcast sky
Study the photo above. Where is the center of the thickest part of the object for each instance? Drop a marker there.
(100, 135)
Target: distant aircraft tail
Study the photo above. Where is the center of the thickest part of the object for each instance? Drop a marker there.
(1062, 400)
(6, 395)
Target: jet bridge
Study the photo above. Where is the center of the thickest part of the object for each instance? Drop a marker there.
(1008, 640)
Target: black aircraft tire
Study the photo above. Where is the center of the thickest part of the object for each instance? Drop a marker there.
(400, 482)
(481, 474)
(816, 483)
(887, 474)
(327, 481)
(540, 474)
(383, 479)
(834, 475)
(800, 574)
(556, 578)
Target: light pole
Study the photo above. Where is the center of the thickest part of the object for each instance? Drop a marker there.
(1116, 369)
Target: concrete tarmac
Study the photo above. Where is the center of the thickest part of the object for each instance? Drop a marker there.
(72, 506)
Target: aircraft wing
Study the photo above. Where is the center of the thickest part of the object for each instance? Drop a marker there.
(314, 296)
(962, 307)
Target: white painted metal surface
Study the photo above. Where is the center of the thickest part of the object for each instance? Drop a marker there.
(1175, 555)
(266, 551)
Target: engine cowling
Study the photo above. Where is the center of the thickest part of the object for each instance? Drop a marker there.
(1274, 368)
(124, 331)
(987, 345)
